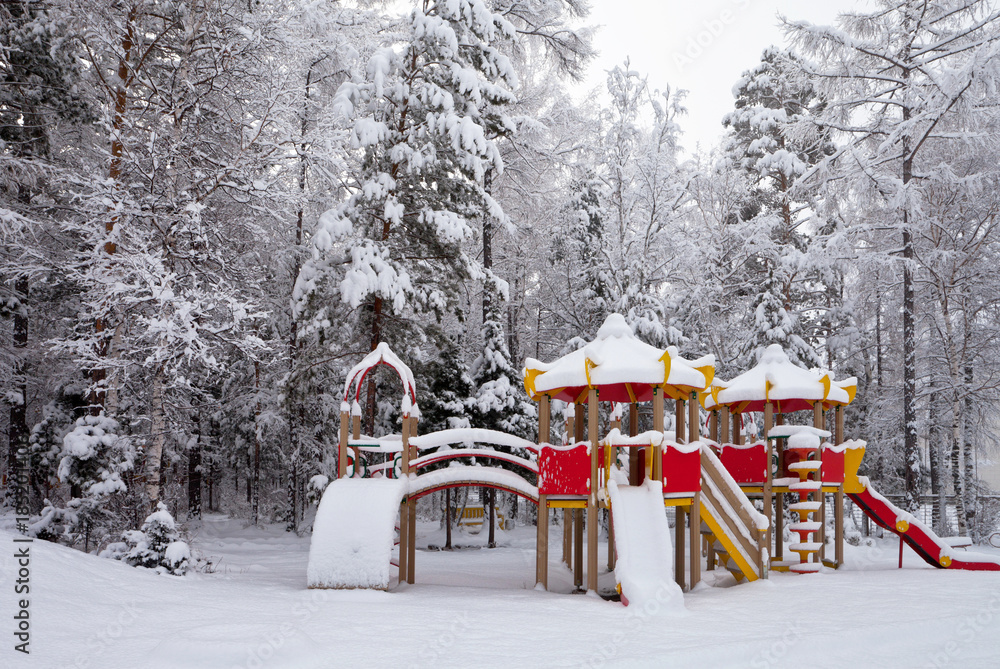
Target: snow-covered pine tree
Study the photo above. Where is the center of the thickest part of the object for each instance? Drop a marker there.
(156, 545)
(773, 324)
(898, 80)
(94, 462)
(39, 70)
(425, 116)
(773, 147)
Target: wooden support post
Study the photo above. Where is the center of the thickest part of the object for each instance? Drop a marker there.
(656, 453)
(724, 424)
(542, 543)
(768, 496)
(544, 420)
(634, 475)
(713, 425)
(411, 515)
(578, 548)
(779, 525)
(694, 529)
(709, 553)
(737, 429)
(779, 498)
(355, 427)
(404, 509)
(838, 530)
(345, 421)
(679, 546)
(679, 435)
(838, 438)
(568, 519)
(820, 495)
(578, 423)
(542, 522)
(612, 556)
(838, 430)
(595, 485)
(694, 422)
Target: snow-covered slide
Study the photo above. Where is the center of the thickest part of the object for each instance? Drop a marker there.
(737, 526)
(933, 549)
(354, 533)
(644, 566)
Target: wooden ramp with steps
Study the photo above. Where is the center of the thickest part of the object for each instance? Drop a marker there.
(738, 531)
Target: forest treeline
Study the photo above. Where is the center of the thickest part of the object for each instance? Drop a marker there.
(211, 209)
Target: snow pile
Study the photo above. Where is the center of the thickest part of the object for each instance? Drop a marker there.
(644, 568)
(353, 533)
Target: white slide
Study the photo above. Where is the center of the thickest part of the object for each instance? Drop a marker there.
(645, 560)
(354, 533)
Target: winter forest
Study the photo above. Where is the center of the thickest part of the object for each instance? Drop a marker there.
(211, 209)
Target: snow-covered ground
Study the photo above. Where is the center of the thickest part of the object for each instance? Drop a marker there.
(476, 607)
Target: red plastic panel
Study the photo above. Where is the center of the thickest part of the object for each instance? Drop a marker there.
(564, 471)
(791, 456)
(681, 471)
(832, 470)
(745, 464)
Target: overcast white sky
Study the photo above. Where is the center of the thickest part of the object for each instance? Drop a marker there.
(699, 45)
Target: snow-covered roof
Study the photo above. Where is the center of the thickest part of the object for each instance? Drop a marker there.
(383, 355)
(775, 379)
(620, 366)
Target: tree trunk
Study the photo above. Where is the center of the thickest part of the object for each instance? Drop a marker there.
(158, 436)
(968, 454)
(293, 486)
(493, 511)
(194, 475)
(254, 487)
(911, 454)
(956, 471)
(18, 434)
(120, 94)
(447, 518)
(936, 438)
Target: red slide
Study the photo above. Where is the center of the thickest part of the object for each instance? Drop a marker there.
(918, 536)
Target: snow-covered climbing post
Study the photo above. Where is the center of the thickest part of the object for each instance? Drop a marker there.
(345, 418)
(768, 497)
(838, 509)
(542, 523)
(655, 453)
(820, 495)
(694, 517)
(592, 435)
(404, 508)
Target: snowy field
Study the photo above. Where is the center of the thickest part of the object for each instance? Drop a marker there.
(475, 607)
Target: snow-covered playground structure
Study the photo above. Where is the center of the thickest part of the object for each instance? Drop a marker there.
(710, 481)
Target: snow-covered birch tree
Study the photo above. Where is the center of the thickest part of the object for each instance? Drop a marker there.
(899, 79)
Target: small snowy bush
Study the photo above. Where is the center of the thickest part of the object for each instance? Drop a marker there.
(315, 488)
(156, 546)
